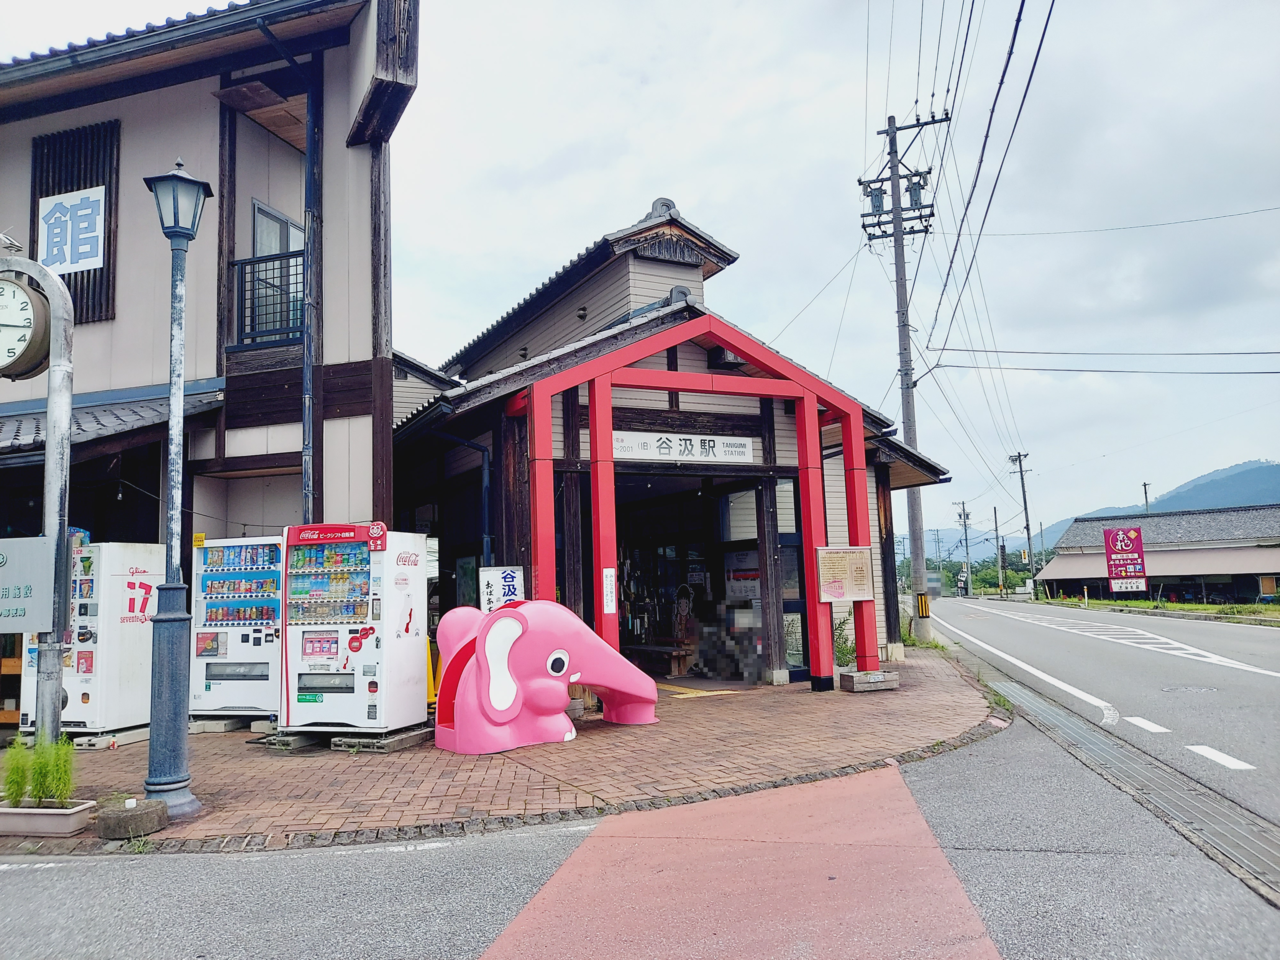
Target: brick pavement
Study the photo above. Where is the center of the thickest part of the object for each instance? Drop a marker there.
(759, 735)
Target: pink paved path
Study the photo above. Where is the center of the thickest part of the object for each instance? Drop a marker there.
(842, 868)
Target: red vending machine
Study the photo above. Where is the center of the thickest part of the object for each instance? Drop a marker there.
(355, 624)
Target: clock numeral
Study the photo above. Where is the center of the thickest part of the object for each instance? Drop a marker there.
(23, 338)
(12, 351)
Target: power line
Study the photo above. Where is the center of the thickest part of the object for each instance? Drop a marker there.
(1117, 353)
(1132, 226)
(818, 294)
(1196, 373)
(1008, 145)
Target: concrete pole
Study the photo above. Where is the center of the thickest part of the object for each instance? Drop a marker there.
(168, 778)
(57, 484)
(915, 511)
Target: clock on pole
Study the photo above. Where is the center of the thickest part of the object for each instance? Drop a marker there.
(24, 329)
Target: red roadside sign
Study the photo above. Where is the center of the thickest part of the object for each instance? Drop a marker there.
(1126, 564)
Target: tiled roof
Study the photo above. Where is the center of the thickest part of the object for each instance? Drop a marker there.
(1182, 526)
(129, 33)
(26, 431)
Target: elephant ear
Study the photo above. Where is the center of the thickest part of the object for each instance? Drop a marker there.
(499, 689)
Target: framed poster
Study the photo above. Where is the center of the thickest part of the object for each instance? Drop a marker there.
(844, 573)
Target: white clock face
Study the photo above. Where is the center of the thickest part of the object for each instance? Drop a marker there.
(17, 318)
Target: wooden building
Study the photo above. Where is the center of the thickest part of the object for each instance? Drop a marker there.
(657, 469)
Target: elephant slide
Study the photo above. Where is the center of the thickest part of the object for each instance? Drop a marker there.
(505, 675)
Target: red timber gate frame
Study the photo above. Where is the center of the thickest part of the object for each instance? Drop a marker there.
(785, 380)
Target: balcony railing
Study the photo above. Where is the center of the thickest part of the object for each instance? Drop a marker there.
(269, 297)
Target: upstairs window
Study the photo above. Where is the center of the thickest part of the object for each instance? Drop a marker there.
(270, 282)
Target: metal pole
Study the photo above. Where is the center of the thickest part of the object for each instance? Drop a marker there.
(915, 511)
(168, 778)
(995, 518)
(57, 483)
(1146, 502)
(968, 566)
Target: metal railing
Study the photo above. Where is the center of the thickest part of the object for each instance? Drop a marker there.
(269, 297)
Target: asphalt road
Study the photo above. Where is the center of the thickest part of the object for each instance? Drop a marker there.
(1063, 866)
(1199, 699)
(443, 900)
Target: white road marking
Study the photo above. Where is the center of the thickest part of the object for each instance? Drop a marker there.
(1147, 725)
(1129, 636)
(1217, 756)
(1109, 713)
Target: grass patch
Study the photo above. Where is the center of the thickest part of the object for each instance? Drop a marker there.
(1221, 609)
(140, 845)
(1000, 700)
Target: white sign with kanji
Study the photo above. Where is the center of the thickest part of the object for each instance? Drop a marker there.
(683, 447)
(499, 585)
(72, 230)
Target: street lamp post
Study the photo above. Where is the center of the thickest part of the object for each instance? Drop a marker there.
(179, 200)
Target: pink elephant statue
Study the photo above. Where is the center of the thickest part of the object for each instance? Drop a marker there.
(504, 677)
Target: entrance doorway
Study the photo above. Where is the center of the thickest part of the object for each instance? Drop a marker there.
(690, 577)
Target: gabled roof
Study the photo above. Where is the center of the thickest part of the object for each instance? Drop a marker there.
(176, 51)
(424, 372)
(503, 383)
(662, 231)
(1232, 524)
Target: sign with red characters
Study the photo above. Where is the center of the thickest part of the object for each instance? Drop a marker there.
(1126, 563)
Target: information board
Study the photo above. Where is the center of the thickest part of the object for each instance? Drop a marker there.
(499, 585)
(844, 573)
(26, 585)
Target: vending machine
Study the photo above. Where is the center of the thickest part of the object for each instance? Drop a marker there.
(106, 668)
(355, 653)
(235, 614)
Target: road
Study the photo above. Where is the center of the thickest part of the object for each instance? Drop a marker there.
(1203, 697)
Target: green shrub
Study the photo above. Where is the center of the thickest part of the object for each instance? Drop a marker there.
(42, 761)
(62, 781)
(845, 651)
(16, 771)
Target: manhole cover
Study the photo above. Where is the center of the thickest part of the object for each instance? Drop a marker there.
(1190, 689)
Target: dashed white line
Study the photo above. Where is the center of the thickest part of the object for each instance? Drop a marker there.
(1128, 636)
(1217, 756)
(1147, 725)
(1109, 713)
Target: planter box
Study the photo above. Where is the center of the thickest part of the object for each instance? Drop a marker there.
(868, 682)
(47, 820)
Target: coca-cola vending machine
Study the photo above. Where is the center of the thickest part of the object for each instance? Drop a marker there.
(355, 624)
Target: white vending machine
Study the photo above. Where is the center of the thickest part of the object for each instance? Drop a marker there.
(235, 625)
(355, 654)
(106, 669)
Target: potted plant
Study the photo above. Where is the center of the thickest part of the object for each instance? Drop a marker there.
(37, 791)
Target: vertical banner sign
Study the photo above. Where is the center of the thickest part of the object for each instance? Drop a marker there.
(73, 230)
(609, 589)
(499, 585)
(1126, 564)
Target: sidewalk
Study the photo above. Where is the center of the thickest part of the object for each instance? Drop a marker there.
(703, 747)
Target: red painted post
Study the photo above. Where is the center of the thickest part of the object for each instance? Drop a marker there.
(813, 534)
(860, 535)
(604, 528)
(542, 501)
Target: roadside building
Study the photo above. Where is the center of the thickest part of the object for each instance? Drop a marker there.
(657, 469)
(1224, 555)
(285, 107)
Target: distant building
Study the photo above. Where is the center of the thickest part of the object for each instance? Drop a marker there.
(1231, 553)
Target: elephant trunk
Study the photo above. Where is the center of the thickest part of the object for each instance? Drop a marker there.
(628, 693)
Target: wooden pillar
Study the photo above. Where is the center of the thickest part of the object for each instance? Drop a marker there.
(383, 373)
(604, 525)
(859, 510)
(773, 631)
(813, 534)
(572, 506)
(542, 496)
(888, 555)
(513, 547)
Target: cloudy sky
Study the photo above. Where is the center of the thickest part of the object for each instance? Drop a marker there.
(539, 127)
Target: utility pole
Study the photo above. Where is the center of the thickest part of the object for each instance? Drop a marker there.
(995, 532)
(1026, 514)
(937, 558)
(882, 225)
(968, 569)
(1146, 502)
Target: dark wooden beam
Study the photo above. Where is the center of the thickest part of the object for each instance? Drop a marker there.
(264, 464)
(383, 417)
(888, 555)
(673, 363)
(572, 532)
(395, 75)
(226, 321)
(770, 554)
(655, 468)
(684, 421)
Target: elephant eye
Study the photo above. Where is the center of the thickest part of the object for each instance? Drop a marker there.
(558, 663)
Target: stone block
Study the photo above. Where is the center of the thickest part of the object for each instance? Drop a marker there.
(117, 823)
(869, 681)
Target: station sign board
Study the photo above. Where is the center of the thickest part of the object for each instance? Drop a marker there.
(682, 447)
(1126, 562)
(499, 585)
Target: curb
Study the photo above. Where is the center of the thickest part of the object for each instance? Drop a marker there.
(998, 720)
(1193, 615)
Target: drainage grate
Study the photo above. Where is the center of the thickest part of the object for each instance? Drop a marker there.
(1241, 841)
